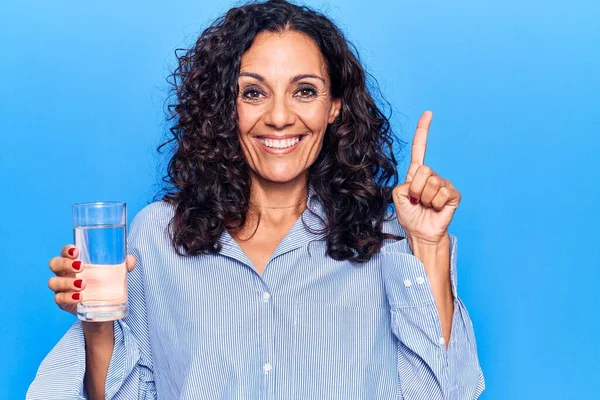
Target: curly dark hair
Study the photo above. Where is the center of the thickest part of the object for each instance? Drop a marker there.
(208, 180)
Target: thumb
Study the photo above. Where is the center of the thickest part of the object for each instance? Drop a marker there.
(400, 194)
(131, 260)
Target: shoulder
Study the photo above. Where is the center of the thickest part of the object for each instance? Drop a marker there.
(153, 219)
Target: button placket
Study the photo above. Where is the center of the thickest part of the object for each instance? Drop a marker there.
(265, 300)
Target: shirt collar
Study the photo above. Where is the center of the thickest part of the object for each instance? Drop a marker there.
(314, 203)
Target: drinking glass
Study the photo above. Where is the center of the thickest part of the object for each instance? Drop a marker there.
(100, 231)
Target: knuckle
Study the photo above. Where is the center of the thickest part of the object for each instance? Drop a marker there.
(435, 180)
(415, 192)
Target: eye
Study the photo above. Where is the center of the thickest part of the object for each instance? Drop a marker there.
(252, 94)
(306, 92)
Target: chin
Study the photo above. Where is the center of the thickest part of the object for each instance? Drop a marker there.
(279, 176)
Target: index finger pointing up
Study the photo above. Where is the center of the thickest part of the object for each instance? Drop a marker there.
(420, 140)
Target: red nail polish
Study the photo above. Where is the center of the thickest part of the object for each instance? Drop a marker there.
(76, 265)
(71, 251)
(75, 296)
(413, 200)
(77, 283)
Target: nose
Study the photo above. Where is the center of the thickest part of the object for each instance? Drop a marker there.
(279, 115)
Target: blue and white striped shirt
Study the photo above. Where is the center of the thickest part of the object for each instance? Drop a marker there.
(309, 327)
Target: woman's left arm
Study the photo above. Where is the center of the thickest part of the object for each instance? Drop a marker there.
(430, 364)
(437, 356)
(436, 261)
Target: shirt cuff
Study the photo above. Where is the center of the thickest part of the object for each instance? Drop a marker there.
(404, 275)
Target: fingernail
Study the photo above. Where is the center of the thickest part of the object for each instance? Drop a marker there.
(77, 283)
(71, 251)
(76, 265)
(413, 200)
(75, 296)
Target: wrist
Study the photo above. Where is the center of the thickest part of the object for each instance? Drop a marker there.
(417, 242)
(430, 252)
(100, 334)
(435, 257)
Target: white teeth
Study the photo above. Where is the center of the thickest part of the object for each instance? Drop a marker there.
(279, 144)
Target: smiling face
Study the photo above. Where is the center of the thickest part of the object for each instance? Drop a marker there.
(284, 105)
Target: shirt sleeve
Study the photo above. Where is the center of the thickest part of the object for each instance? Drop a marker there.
(130, 372)
(426, 368)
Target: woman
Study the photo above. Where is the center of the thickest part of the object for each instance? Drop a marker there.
(274, 266)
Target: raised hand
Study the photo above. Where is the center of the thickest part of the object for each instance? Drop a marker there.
(425, 202)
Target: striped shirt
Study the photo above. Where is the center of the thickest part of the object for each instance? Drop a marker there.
(309, 327)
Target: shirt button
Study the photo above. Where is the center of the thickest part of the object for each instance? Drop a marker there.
(407, 283)
(420, 280)
(267, 368)
(442, 341)
(266, 297)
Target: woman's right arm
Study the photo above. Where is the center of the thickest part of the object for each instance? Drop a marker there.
(97, 360)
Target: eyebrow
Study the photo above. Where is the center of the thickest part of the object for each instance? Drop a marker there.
(293, 80)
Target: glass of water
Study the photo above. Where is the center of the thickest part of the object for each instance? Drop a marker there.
(100, 231)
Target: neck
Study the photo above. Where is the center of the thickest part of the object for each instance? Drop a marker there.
(275, 202)
(265, 195)
(273, 206)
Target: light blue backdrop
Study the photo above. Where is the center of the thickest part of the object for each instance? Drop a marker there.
(514, 87)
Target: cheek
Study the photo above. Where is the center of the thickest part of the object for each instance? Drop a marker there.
(315, 117)
(244, 123)
(248, 116)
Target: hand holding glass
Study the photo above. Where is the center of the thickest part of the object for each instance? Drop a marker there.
(100, 231)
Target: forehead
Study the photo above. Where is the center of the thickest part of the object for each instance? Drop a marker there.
(288, 53)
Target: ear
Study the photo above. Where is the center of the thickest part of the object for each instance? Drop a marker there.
(336, 106)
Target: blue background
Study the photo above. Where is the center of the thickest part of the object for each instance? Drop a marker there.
(514, 87)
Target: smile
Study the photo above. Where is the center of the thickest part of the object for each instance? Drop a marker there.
(280, 144)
